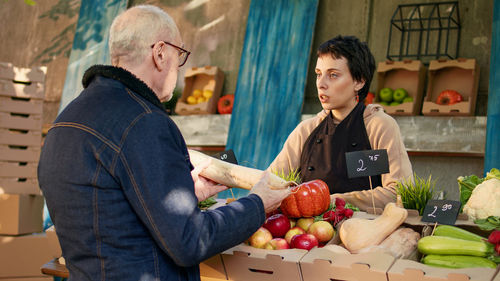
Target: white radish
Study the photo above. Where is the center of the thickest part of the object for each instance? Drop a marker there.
(232, 175)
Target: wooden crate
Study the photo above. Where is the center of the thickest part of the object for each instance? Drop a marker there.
(21, 105)
(409, 75)
(201, 78)
(20, 137)
(19, 74)
(21, 121)
(16, 153)
(13, 185)
(461, 75)
(11, 88)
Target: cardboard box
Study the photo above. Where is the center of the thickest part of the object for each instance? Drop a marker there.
(21, 121)
(246, 263)
(497, 277)
(461, 75)
(322, 264)
(21, 105)
(213, 267)
(19, 74)
(409, 75)
(406, 270)
(20, 214)
(19, 178)
(41, 278)
(20, 137)
(200, 78)
(19, 153)
(19, 186)
(12, 88)
(22, 256)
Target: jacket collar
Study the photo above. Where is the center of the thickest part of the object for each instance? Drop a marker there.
(123, 76)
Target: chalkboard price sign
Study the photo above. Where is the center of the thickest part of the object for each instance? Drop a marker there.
(227, 156)
(366, 163)
(441, 211)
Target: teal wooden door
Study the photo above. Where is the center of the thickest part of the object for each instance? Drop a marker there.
(492, 149)
(271, 80)
(90, 46)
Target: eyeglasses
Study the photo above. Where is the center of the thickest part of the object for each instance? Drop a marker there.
(183, 53)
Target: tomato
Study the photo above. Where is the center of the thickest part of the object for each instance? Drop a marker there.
(309, 199)
(225, 104)
(449, 97)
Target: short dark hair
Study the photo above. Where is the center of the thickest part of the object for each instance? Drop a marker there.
(360, 60)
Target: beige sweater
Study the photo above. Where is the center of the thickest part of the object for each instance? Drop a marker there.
(383, 133)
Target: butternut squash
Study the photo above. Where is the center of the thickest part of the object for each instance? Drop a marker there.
(358, 233)
(232, 175)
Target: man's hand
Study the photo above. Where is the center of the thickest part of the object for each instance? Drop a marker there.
(203, 187)
(271, 198)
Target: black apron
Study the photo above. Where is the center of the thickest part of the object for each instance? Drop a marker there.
(323, 154)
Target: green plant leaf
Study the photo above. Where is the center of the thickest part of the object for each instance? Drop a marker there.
(30, 2)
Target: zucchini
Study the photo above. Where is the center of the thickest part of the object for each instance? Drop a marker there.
(442, 245)
(451, 261)
(457, 232)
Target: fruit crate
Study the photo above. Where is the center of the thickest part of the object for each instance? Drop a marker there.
(461, 75)
(208, 79)
(19, 177)
(408, 75)
(322, 264)
(244, 262)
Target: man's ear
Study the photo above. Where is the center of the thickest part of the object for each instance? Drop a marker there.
(159, 56)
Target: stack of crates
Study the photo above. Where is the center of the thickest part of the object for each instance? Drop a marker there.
(23, 245)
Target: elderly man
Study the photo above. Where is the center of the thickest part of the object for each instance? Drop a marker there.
(116, 173)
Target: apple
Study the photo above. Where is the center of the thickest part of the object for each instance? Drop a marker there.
(292, 222)
(384, 103)
(277, 224)
(408, 99)
(385, 94)
(304, 223)
(399, 95)
(322, 230)
(394, 103)
(304, 241)
(277, 244)
(260, 238)
(369, 98)
(292, 232)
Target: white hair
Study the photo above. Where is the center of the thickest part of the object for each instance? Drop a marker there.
(134, 31)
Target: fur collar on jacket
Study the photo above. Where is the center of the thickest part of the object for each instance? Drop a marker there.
(125, 77)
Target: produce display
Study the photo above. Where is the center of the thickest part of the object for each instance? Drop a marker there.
(309, 219)
(388, 96)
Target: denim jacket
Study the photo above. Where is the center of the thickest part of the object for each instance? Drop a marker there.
(116, 175)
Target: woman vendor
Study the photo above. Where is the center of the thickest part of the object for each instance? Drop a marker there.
(317, 146)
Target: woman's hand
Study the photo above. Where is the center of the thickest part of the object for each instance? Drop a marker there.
(203, 187)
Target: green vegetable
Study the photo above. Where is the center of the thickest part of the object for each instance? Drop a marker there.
(457, 232)
(489, 223)
(205, 204)
(468, 183)
(415, 192)
(442, 245)
(455, 261)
